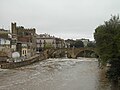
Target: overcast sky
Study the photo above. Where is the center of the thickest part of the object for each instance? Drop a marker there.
(63, 18)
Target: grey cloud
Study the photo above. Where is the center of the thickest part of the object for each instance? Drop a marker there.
(63, 18)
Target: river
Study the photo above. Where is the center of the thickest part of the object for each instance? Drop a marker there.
(56, 74)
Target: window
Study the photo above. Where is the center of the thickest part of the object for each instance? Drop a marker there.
(23, 51)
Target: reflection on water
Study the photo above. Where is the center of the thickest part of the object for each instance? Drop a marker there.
(56, 74)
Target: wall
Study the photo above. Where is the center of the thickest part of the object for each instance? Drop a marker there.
(4, 41)
(3, 59)
(24, 35)
(23, 63)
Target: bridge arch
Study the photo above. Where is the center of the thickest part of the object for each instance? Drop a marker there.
(57, 53)
(87, 53)
(71, 52)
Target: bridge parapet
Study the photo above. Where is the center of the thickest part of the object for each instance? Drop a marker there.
(72, 52)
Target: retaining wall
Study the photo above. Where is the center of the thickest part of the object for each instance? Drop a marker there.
(23, 63)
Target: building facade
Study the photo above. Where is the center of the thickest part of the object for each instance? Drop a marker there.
(23, 40)
(4, 38)
(45, 41)
(60, 43)
(5, 48)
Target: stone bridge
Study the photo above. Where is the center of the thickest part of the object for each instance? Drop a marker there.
(70, 52)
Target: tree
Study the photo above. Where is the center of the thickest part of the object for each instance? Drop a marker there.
(107, 39)
(75, 43)
(48, 46)
(71, 42)
(91, 44)
(78, 44)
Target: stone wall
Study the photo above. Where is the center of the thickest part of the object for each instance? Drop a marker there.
(3, 59)
(23, 63)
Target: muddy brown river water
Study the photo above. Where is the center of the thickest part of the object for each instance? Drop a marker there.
(56, 74)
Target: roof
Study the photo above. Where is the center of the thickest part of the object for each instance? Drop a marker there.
(45, 36)
(4, 31)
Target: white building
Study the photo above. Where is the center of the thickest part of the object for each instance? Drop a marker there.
(5, 42)
(85, 41)
(44, 41)
(4, 39)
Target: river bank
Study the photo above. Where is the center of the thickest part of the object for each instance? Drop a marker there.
(27, 61)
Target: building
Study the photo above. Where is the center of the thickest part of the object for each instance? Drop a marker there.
(69, 43)
(5, 48)
(4, 38)
(85, 41)
(23, 40)
(60, 43)
(45, 41)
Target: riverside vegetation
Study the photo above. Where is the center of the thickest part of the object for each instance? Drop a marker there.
(107, 37)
